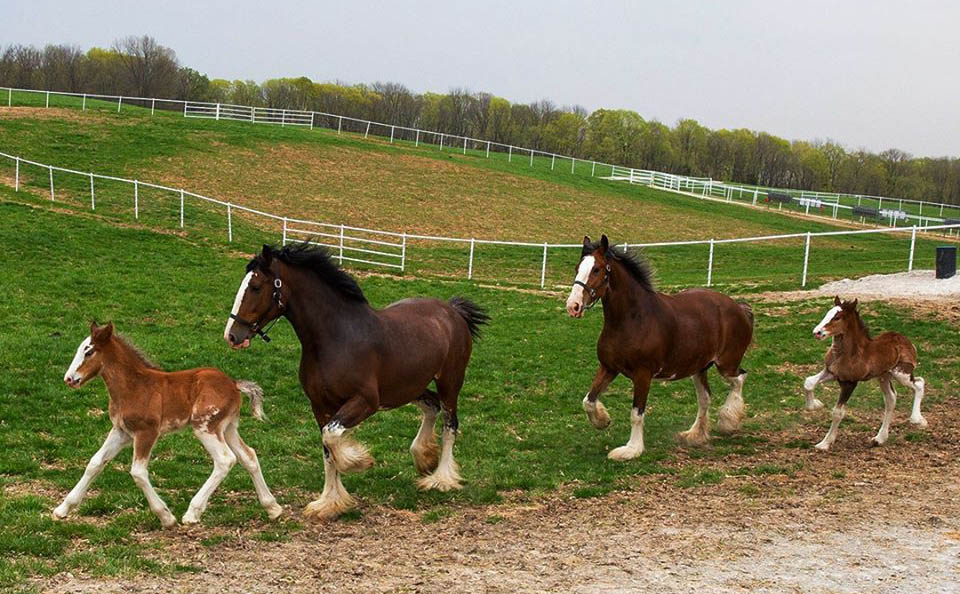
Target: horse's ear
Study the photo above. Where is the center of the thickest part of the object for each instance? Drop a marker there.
(836, 300)
(266, 254)
(93, 327)
(604, 243)
(102, 334)
(855, 303)
(587, 241)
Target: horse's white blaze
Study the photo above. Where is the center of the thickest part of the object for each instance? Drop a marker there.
(583, 273)
(78, 358)
(236, 305)
(826, 319)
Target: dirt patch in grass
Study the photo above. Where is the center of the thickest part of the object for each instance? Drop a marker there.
(782, 518)
(51, 113)
(400, 192)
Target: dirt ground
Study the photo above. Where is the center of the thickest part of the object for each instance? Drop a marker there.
(857, 519)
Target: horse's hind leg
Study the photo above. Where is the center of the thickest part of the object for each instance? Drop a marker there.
(733, 410)
(699, 432)
(447, 474)
(916, 384)
(846, 390)
(812, 403)
(223, 461)
(248, 458)
(426, 453)
(596, 412)
(889, 404)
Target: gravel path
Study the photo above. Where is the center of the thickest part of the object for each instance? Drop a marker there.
(919, 283)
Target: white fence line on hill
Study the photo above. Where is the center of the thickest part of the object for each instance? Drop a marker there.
(390, 249)
(703, 186)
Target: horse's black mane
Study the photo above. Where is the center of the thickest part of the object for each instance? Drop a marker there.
(316, 259)
(634, 261)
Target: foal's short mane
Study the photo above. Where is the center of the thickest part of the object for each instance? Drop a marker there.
(318, 260)
(850, 308)
(135, 351)
(634, 261)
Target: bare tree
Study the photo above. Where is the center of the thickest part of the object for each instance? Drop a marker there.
(151, 68)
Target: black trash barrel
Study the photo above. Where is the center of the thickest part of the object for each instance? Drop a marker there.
(946, 261)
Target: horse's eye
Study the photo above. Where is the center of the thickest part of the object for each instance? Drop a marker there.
(255, 289)
(596, 270)
(87, 353)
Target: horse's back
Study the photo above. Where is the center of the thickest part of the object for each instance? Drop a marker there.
(905, 351)
(706, 306)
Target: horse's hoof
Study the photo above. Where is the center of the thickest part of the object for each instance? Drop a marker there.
(171, 521)
(60, 512)
(274, 511)
(624, 453)
(325, 511)
(188, 518)
(823, 447)
(813, 405)
(694, 439)
(426, 457)
(439, 483)
(875, 443)
(919, 422)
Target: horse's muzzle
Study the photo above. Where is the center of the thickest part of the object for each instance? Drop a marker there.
(575, 309)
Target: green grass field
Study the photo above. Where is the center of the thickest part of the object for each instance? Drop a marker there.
(523, 431)
(345, 179)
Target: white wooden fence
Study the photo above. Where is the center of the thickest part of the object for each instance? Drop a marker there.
(704, 187)
(389, 249)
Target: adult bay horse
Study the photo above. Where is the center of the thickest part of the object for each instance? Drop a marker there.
(146, 402)
(856, 357)
(649, 336)
(356, 360)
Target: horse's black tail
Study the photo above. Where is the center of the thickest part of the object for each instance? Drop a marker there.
(472, 313)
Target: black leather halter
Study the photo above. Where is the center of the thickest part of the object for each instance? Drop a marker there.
(255, 326)
(591, 291)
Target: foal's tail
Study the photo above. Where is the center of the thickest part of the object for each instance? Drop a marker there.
(748, 310)
(255, 393)
(472, 313)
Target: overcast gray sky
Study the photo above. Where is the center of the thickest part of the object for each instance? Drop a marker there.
(874, 74)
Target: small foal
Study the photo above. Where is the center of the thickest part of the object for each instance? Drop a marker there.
(146, 402)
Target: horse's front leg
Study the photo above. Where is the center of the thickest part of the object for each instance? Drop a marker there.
(340, 454)
(634, 447)
(116, 440)
(812, 403)
(596, 412)
(143, 443)
(846, 390)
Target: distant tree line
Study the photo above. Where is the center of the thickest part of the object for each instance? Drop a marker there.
(142, 67)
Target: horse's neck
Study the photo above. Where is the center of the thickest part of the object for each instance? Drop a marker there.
(122, 369)
(317, 312)
(853, 341)
(625, 295)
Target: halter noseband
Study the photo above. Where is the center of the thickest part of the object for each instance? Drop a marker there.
(255, 326)
(590, 290)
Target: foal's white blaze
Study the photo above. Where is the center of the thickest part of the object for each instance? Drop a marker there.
(78, 357)
(818, 331)
(576, 293)
(236, 304)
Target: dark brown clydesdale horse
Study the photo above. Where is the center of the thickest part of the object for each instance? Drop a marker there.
(649, 335)
(357, 360)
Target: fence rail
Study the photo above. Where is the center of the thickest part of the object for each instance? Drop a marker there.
(390, 249)
(828, 204)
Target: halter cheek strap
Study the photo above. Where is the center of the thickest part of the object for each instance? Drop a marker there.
(255, 326)
(590, 290)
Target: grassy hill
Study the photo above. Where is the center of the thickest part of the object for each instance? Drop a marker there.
(320, 175)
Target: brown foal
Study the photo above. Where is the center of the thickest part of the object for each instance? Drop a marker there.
(856, 357)
(146, 402)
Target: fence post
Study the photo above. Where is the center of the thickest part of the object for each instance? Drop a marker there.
(9, 97)
(339, 124)
(229, 224)
(488, 149)
(93, 199)
(136, 199)
(464, 145)
(313, 116)
(593, 169)
(153, 106)
(470, 264)
(403, 253)
(284, 231)
(341, 245)
(181, 208)
(531, 157)
(51, 183)
(441, 141)
(416, 142)
(710, 266)
(283, 116)
(16, 178)
(119, 103)
(573, 163)
(913, 243)
(391, 134)
(184, 109)
(48, 99)
(806, 260)
(510, 154)
(543, 268)
(755, 195)
(84, 102)
(365, 134)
